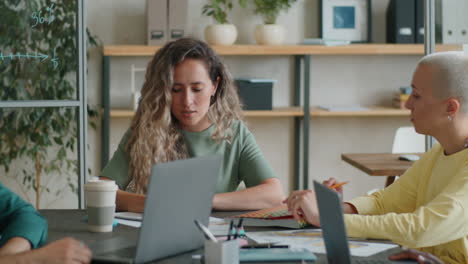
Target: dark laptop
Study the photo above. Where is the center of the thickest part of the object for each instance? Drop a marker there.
(334, 231)
(179, 192)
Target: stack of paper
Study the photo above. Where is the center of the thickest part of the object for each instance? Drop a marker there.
(326, 42)
(312, 240)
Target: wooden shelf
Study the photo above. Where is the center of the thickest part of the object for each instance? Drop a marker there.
(353, 49)
(297, 112)
(374, 111)
(277, 112)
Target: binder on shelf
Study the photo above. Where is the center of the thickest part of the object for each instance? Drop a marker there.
(401, 21)
(178, 22)
(454, 22)
(419, 23)
(156, 18)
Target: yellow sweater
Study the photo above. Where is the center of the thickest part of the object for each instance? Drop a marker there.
(426, 209)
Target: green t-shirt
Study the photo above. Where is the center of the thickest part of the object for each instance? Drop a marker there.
(243, 160)
(19, 219)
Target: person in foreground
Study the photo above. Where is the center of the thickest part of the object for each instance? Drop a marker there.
(427, 208)
(189, 107)
(22, 228)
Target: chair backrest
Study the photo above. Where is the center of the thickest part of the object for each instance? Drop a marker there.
(407, 140)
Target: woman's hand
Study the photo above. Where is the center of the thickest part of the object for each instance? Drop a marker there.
(421, 257)
(332, 181)
(303, 205)
(64, 251)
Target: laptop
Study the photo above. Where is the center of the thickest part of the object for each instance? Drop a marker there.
(179, 192)
(334, 231)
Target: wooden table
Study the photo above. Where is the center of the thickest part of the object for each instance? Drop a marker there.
(379, 164)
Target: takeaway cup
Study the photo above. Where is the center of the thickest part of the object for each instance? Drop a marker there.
(100, 204)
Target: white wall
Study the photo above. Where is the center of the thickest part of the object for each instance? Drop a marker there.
(367, 80)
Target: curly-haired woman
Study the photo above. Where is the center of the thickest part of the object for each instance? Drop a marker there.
(189, 107)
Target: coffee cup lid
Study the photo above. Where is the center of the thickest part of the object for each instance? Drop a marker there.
(94, 183)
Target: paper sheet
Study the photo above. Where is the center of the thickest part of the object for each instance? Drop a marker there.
(217, 226)
(129, 216)
(132, 223)
(312, 240)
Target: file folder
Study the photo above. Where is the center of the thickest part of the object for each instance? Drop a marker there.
(419, 30)
(401, 21)
(156, 18)
(178, 13)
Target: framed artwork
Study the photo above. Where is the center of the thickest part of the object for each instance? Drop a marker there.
(346, 20)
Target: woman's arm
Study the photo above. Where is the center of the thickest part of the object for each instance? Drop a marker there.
(268, 193)
(64, 251)
(129, 202)
(444, 216)
(20, 222)
(15, 245)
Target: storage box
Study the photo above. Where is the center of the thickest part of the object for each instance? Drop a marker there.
(256, 94)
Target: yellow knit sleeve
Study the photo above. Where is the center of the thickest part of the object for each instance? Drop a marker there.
(443, 219)
(399, 197)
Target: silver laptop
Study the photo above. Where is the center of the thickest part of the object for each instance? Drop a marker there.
(334, 231)
(179, 192)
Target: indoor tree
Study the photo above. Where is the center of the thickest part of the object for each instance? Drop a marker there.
(38, 61)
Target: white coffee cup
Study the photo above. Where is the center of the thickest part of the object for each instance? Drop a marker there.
(100, 204)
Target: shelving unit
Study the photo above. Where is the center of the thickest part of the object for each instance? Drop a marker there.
(297, 112)
(302, 55)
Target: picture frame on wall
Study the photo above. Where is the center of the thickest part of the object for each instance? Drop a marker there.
(346, 20)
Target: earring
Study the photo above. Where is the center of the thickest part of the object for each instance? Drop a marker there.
(450, 118)
(212, 100)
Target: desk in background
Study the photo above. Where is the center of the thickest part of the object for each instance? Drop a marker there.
(379, 164)
(63, 223)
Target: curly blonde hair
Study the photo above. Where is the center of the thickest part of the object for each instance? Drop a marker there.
(155, 136)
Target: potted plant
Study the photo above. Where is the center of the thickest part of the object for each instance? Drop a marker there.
(270, 33)
(221, 33)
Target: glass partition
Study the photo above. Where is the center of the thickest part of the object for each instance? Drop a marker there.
(38, 50)
(43, 100)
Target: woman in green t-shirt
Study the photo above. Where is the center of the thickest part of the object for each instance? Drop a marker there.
(189, 107)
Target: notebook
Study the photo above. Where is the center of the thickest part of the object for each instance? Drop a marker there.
(276, 216)
(275, 254)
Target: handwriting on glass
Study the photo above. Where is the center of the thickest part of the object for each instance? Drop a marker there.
(48, 17)
(35, 55)
(38, 19)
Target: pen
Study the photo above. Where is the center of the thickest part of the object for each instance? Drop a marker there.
(206, 232)
(231, 225)
(265, 246)
(334, 186)
(239, 227)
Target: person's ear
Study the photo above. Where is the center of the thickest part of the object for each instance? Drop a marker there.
(453, 106)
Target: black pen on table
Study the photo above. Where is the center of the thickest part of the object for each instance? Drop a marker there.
(265, 246)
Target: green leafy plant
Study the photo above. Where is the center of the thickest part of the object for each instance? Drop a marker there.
(38, 55)
(270, 9)
(219, 9)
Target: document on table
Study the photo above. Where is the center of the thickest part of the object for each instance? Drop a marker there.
(129, 218)
(217, 226)
(312, 240)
